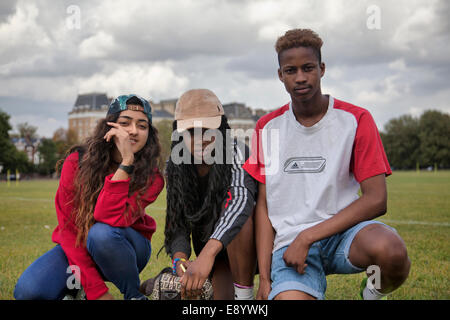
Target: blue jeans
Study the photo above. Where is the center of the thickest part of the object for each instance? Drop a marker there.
(327, 256)
(119, 253)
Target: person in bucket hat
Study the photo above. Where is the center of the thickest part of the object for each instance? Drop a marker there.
(210, 201)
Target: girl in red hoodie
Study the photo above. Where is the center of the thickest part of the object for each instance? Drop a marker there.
(103, 233)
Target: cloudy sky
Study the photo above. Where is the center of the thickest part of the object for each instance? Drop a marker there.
(391, 57)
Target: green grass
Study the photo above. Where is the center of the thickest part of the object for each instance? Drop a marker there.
(419, 208)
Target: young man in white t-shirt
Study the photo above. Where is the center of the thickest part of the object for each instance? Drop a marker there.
(311, 157)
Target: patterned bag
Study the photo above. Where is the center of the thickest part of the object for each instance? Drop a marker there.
(167, 286)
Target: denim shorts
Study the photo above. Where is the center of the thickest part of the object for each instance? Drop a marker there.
(327, 256)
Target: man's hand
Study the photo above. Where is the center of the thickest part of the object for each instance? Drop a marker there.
(263, 290)
(295, 255)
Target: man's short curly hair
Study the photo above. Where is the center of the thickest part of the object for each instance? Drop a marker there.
(296, 38)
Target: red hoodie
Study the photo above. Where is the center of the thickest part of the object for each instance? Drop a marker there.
(110, 208)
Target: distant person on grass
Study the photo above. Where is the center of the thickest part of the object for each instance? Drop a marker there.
(211, 199)
(311, 157)
(103, 230)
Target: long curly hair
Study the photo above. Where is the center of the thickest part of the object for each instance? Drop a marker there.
(184, 204)
(97, 162)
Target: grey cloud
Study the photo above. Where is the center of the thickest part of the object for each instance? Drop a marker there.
(180, 41)
(406, 32)
(36, 113)
(138, 35)
(428, 83)
(55, 64)
(42, 45)
(7, 8)
(258, 64)
(225, 46)
(20, 105)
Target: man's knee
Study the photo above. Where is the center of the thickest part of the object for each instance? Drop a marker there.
(395, 257)
(389, 251)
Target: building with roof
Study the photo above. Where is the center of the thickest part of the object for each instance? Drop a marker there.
(87, 111)
(167, 105)
(163, 110)
(158, 115)
(242, 120)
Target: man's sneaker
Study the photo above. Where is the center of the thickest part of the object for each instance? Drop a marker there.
(363, 286)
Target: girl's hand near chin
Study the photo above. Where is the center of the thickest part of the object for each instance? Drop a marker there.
(122, 141)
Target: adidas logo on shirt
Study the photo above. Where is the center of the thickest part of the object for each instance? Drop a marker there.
(305, 165)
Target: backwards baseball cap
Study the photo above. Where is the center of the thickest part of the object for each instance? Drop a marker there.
(198, 108)
(119, 104)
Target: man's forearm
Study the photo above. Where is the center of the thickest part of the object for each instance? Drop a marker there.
(264, 246)
(264, 235)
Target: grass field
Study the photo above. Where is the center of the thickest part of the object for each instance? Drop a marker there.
(419, 208)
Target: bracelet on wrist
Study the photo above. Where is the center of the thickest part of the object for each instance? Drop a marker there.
(174, 264)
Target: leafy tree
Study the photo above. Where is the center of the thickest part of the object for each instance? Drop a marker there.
(164, 128)
(48, 154)
(401, 142)
(5, 143)
(10, 157)
(64, 139)
(27, 132)
(4, 125)
(434, 135)
(425, 140)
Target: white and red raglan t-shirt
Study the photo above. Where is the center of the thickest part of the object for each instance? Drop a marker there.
(311, 173)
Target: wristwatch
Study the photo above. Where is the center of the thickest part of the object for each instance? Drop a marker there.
(127, 169)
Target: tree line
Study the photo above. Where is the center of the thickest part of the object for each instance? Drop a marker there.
(410, 142)
(49, 149)
(418, 142)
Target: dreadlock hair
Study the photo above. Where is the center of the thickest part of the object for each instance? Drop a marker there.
(296, 38)
(97, 162)
(184, 205)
